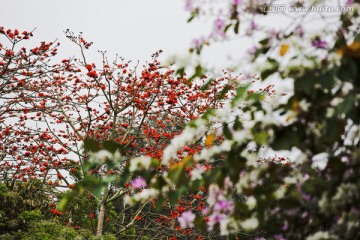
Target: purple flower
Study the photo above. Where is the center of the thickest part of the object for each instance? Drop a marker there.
(237, 2)
(138, 182)
(225, 206)
(318, 43)
(205, 211)
(189, 5)
(252, 50)
(253, 25)
(219, 27)
(279, 237)
(198, 42)
(186, 219)
(349, 2)
(213, 219)
(285, 226)
(299, 31)
(304, 215)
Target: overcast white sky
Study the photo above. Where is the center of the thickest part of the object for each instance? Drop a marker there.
(134, 29)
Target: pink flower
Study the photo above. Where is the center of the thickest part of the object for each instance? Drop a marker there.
(237, 2)
(198, 42)
(189, 5)
(215, 218)
(186, 219)
(219, 27)
(225, 206)
(138, 182)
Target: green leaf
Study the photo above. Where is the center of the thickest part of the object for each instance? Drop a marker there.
(348, 70)
(327, 80)
(289, 136)
(113, 146)
(237, 124)
(207, 84)
(200, 223)
(208, 113)
(159, 203)
(273, 67)
(262, 50)
(89, 183)
(333, 130)
(91, 145)
(240, 91)
(305, 84)
(264, 42)
(180, 72)
(173, 197)
(261, 138)
(199, 72)
(226, 131)
(236, 27)
(177, 172)
(227, 27)
(192, 16)
(347, 105)
(224, 91)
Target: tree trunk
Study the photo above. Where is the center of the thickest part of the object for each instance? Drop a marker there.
(100, 223)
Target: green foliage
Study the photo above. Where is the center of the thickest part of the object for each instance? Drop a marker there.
(21, 203)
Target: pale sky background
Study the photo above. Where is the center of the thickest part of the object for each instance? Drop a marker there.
(134, 29)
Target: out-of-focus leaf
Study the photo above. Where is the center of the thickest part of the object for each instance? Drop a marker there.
(227, 27)
(236, 27)
(199, 72)
(305, 84)
(271, 69)
(240, 91)
(89, 183)
(91, 145)
(207, 84)
(226, 131)
(113, 146)
(237, 124)
(347, 105)
(181, 72)
(224, 91)
(192, 16)
(177, 172)
(348, 70)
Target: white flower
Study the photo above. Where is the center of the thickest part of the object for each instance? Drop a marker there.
(189, 134)
(251, 202)
(142, 162)
(319, 235)
(280, 192)
(320, 160)
(142, 196)
(146, 194)
(102, 155)
(197, 172)
(304, 105)
(250, 224)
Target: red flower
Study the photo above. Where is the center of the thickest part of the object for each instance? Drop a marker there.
(91, 215)
(92, 74)
(89, 67)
